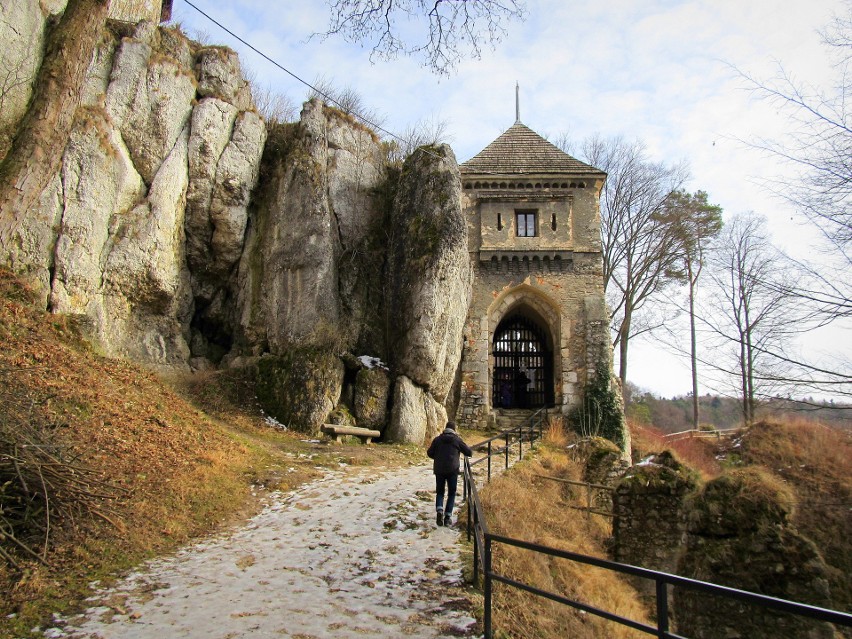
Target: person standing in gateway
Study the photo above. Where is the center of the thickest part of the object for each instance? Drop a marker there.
(444, 450)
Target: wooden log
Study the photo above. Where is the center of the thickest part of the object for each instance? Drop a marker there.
(339, 431)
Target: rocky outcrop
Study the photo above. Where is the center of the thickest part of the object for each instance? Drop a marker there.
(301, 266)
(155, 233)
(740, 535)
(220, 76)
(650, 514)
(370, 397)
(301, 387)
(428, 270)
(109, 241)
(416, 415)
(149, 100)
(22, 34)
(428, 279)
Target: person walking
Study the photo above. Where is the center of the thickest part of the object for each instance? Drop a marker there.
(444, 450)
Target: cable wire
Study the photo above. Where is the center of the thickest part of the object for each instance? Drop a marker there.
(296, 77)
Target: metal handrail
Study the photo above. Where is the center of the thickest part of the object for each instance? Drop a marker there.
(531, 427)
(477, 530)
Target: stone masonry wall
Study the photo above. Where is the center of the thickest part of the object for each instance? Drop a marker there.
(557, 275)
(561, 301)
(650, 517)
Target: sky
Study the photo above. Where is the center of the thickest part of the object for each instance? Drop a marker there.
(660, 71)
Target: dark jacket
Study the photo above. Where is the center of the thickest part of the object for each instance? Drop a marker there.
(445, 449)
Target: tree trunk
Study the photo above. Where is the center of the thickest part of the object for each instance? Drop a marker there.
(693, 353)
(750, 377)
(744, 380)
(36, 151)
(622, 347)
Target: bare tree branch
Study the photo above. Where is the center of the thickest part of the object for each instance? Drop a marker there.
(454, 29)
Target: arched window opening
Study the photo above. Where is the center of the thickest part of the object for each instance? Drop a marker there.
(523, 364)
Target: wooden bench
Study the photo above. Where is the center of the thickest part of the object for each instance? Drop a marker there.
(338, 432)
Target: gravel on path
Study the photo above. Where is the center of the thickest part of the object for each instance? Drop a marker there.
(354, 554)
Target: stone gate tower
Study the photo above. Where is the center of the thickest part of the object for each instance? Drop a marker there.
(537, 327)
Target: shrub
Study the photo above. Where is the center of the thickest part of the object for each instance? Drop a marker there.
(600, 414)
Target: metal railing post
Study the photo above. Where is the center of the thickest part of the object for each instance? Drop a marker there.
(507, 450)
(662, 609)
(487, 590)
(489, 460)
(520, 441)
(467, 496)
(475, 549)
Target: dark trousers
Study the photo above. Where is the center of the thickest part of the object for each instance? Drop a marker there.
(450, 482)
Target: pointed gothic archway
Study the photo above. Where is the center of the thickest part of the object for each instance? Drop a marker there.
(522, 356)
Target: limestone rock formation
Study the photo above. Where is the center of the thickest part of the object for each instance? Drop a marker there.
(416, 415)
(149, 99)
(429, 270)
(428, 279)
(22, 34)
(315, 211)
(301, 387)
(220, 76)
(155, 233)
(112, 240)
(370, 399)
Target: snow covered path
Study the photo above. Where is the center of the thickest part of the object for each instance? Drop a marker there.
(355, 554)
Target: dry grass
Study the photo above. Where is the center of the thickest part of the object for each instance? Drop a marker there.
(175, 474)
(182, 457)
(555, 434)
(816, 461)
(521, 505)
(698, 454)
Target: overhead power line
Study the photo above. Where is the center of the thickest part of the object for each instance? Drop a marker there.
(316, 90)
(293, 75)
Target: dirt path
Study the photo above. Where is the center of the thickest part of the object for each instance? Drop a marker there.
(355, 554)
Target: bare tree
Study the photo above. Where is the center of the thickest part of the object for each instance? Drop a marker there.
(274, 107)
(753, 316)
(347, 99)
(430, 131)
(455, 29)
(696, 222)
(818, 147)
(641, 246)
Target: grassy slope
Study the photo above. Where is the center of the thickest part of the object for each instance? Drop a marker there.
(520, 504)
(814, 461)
(179, 458)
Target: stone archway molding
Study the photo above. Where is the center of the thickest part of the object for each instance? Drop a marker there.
(532, 298)
(535, 302)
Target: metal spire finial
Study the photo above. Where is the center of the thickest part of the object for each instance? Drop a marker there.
(517, 103)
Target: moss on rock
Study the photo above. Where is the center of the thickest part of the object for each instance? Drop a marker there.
(660, 472)
(300, 387)
(741, 501)
(740, 535)
(372, 391)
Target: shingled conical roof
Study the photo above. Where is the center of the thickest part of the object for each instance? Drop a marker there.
(521, 150)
